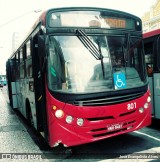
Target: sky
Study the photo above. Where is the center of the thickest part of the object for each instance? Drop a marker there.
(20, 15)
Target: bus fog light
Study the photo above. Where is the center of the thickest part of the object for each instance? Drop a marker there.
(141, 110)
(149, 99)
(59, 113)
(80, 121)
(69, 119)
(146, 105)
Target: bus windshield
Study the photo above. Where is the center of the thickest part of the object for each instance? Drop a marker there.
(73, 68)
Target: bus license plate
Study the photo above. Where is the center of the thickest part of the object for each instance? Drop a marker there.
(114, 127)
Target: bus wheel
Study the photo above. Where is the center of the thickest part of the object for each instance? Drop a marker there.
(29, 114)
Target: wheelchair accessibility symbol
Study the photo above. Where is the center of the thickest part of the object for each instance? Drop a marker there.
(119, 81)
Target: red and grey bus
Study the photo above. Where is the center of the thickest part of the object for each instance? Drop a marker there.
(152, 57)
(80, 76)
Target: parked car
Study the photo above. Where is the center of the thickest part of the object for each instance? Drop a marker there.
(1, 83)
(4, 82)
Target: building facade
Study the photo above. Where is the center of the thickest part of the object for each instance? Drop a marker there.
(16, 40)
(151, 19)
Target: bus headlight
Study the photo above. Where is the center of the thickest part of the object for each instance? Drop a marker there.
(59, 113)
(149, 99)
(146, 105)
(69, 119)
(141, 110)
(80, 121)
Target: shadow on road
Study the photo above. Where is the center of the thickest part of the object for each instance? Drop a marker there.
(155, 124)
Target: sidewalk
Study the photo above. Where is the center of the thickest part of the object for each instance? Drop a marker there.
(14, 137)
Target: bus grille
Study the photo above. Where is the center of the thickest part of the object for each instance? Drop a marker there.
(111, 100)
(110, 117)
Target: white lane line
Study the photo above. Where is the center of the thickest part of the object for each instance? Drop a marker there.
(157, 139)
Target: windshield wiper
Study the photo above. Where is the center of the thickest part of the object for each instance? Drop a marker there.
(89, 44)
(91, 47)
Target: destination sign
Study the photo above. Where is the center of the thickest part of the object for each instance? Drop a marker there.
(115, 22)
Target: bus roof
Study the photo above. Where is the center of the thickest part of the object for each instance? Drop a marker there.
(151, 33)
(42, 18)
(44, 13)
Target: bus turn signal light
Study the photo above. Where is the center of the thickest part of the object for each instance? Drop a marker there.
(54, 107)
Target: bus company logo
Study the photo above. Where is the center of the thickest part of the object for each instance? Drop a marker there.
(20, 156)
(6, 156)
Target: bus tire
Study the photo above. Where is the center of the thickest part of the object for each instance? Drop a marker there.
(29, 114)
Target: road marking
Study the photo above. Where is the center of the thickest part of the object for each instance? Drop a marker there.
(157, 139)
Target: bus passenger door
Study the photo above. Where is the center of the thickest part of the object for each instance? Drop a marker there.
(11, 79)
(39, 84)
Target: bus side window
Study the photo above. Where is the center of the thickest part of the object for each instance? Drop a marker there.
(28, 49)
(29, 70)
(148, 48)
(13, 69)
(17, 65)
(21, 64)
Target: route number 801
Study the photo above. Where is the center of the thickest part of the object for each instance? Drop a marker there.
(131, 106)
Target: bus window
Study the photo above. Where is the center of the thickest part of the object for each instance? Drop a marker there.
(13, 69)
(56, 65)
(28, 49)
(17, 65)
(28, 60)
(22, 70)
(148, 48)
(21, 64)
(29, 68)
(21, 56)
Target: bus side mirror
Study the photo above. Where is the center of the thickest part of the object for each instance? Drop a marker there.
(41, 45)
